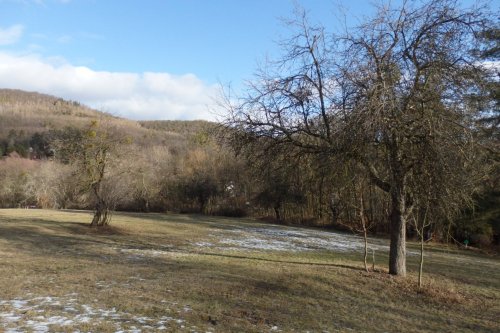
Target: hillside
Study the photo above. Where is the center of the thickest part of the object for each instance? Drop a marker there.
(26, 114)
(31, 112)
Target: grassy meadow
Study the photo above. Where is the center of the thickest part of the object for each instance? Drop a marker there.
(188, 273)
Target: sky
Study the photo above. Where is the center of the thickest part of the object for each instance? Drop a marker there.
(151, 59)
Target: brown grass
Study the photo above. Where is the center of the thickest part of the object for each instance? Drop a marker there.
(145, 271)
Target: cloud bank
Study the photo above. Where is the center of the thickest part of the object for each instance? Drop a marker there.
(143, 96)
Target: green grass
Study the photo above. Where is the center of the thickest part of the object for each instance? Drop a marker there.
(146, 272)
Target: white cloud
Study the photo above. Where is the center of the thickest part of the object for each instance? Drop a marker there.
(11, 35)
(130, 95)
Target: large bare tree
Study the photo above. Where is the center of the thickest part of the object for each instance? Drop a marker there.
(373, 94)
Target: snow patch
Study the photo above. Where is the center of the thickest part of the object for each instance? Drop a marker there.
(135, 254)
(276, 238)
(203, 244)
(14, 317)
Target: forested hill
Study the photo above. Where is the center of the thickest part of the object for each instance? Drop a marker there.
(32, 112)
(25, 117)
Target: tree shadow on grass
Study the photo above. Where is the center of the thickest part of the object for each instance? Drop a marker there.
(270, 260)
(219, 222)
(45, 237)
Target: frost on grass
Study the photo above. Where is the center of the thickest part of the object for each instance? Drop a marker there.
(133, 254)
(203, 244)
(49, 314)
(294, 239)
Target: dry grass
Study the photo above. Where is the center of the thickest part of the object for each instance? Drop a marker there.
(147, 273)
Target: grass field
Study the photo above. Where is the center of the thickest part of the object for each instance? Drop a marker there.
(184, 273)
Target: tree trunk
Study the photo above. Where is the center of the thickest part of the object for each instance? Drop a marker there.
(201, 204)
(320, 198)
(397, 253)
(106, 216)
(364, 224)
(96, 218)
(277, 212)
(366, 249)
(373, 260)
(101, 214)
(421, 265)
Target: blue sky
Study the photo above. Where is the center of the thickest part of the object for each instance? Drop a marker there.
(155, 59)
(214, 39)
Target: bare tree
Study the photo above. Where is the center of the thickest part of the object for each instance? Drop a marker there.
(94, 152)
(369, 95)
(359, 221)
(149, 169)
(54, 185)
(413, 70)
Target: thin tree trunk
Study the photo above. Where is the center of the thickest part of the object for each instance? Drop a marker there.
(320, 198)
(421, 266)
(373, 260)
(366, 249)
(365, 230)
(422, 241)
(106, 217)
(277, 212)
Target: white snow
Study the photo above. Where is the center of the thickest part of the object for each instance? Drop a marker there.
(271, 238)
(13, 316)
(18, 304)
(203, 244)
(277, 238)
(138, 254)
